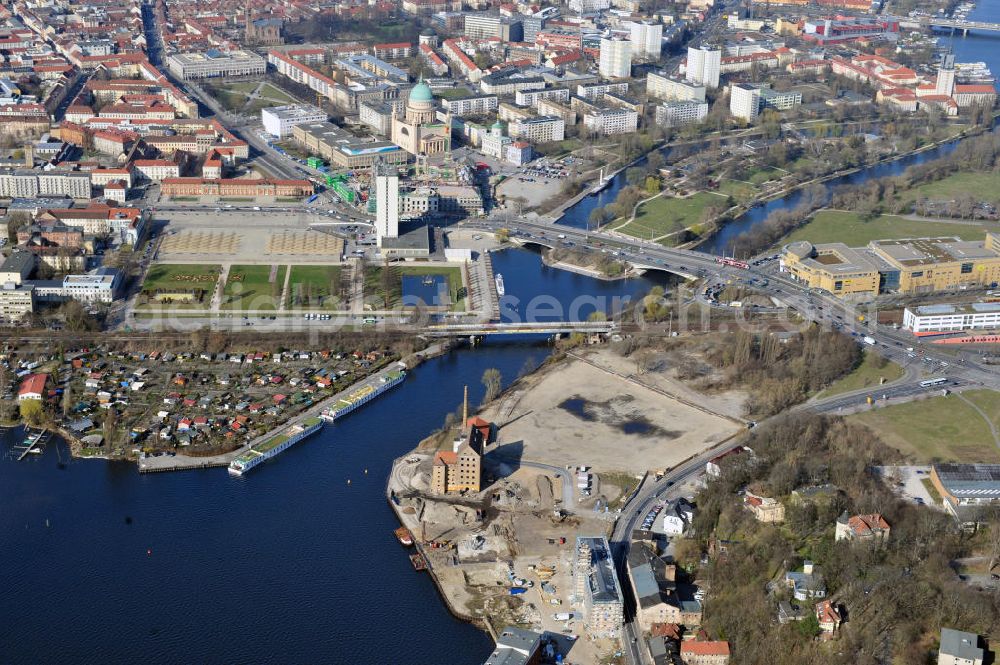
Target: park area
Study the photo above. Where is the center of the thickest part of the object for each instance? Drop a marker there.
(254, 287)
(952, 428)
(387, 292)
(854, 230)
(314, 287)
(665, 215)
(180, 283)
(248, 97)
(872, 370)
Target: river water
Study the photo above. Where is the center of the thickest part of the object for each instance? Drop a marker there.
(289, 564)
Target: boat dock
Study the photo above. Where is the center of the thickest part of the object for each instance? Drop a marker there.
(32, 443)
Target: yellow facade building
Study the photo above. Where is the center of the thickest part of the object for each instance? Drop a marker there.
(914, 265)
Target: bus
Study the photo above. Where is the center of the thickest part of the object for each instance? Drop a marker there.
(930, 383)
(312, 198)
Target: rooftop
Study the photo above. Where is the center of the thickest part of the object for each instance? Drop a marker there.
(960, 645)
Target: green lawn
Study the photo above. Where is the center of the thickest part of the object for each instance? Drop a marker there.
(981, 186)
(246, 87)
(741, 192)
(452, 93)
(665, 215)
(868, 373)
(175, 277)
(848, 227)
(231, 100)
(988, 401)
(273, 92)
(250, 287)
(374, 287)
(314, 286)
(939, 428)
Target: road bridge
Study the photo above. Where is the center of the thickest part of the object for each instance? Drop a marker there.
(927, 22)
(548, 328)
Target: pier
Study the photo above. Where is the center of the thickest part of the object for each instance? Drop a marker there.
(31, 442)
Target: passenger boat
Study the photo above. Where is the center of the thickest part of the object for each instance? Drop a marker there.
(274, 446)
(404, 536)
(500, 288)
(363, 395)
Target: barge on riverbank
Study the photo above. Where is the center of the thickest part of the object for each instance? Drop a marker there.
(363, 395)
(274, 446)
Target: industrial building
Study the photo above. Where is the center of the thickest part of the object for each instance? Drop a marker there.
(966, 486)
(915, 265)
(213, 64)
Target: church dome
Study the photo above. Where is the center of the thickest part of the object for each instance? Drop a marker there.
(421, 93)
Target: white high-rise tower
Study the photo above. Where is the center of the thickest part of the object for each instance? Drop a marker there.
(703, 66)
(616, 58)
(946, 76)
(386, 202)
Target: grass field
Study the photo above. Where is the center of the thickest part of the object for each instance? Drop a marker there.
(741, 192)
(864, 375)
(981, 186)
(373, 284)
(939, 428)
(988, 401)
(246, 87)
(167, 276)
(848, 227)
(254, 290)
(665, 215)
(314, 286)
(452, 93)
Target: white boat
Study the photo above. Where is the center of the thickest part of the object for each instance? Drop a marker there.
(273, 446)
(363, 395)
(499, 283)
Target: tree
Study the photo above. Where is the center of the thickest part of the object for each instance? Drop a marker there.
(493, 382)
(67, 400)
(32, 412)
(110, 426)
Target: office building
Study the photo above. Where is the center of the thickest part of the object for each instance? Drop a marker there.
(596, 587)
(213, 64)
(678, 114)
(530, 27)
(378, 114)
(540, 129)
(386, 202)
(615, 61)
(343, 149)
(16, 301)
(646, 38)
(279, 120)
(914, 265)
(659, 85)
(489, 26)
(704, 66)
(744, 101)
(611, 121)
(936, 319)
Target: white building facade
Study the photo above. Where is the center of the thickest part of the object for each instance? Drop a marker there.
(704, 65)
(616, 58)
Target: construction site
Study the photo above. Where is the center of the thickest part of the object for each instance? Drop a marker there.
(504, 554)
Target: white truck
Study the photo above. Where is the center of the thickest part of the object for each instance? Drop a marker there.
(562, 616)
(870, 341)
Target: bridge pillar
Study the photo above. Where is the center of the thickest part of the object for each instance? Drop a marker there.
(965, 32)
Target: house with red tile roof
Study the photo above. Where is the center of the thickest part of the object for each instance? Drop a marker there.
(829, 618)
(871, 528)
(32, 387)
(711, 652)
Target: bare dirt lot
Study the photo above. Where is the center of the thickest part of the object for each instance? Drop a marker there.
(582, 414)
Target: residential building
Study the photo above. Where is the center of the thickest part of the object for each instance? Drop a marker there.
(596, 587)
(615, 61)
(867, 528)
(431, 58)
(744, 101)
(646, 38)
(532, 97)
(538, 130)
(156, 170)
(596, 91)
(829, 617)
(943, 318)
(704, 66)
(472, 105)
(213, 64)
(678, 114)
(378, 114)
(913, 265)
(960, 648)
(552, 107)
(807, 584)
(611, 121)
(17, 267)
(660, 85)
(654, 586)
(764, 508)
(32, 183)
(16, 301)
(393, 51)
(699, 652)
(519, 153)
(588, 6)
(386, 202)
(779, 101)
(516, 646)
(32, 387)
(280, 120)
